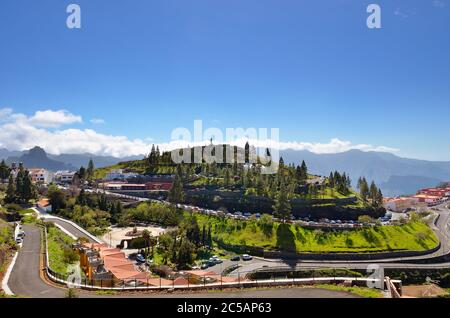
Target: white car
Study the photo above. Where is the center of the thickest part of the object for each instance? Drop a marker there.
(246, 257)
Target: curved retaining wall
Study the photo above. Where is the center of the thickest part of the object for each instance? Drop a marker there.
(348, 256)
(258, 251)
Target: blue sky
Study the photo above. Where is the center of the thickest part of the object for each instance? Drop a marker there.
(311, 68)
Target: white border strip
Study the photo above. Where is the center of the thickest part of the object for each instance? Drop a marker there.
(65, 231)
(5, 280)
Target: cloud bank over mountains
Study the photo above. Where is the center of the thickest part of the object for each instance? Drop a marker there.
(60, 131)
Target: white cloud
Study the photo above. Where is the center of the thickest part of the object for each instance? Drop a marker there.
(438, 3)
(334, 146)
(53, 119)
(20, 132)
(97, 121)
(400, 13)
(5, 113)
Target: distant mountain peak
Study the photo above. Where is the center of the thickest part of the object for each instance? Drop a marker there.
(37, 152)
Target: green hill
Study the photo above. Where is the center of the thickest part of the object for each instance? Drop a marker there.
(242, 187)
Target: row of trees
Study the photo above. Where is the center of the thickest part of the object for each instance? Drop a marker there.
(85, 174)
(93, 210)
(341, 182)
(370, 194)
(181, 246)
(21, 189)
(151, 213)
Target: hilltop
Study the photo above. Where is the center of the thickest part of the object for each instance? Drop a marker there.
(242, 187)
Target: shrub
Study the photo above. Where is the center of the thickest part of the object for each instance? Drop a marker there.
(70, 256)
(13, 207)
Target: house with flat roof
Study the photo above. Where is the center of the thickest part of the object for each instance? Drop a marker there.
(40, 176)
(119, 174)
(64, 176)
(112, 267)
(399, 204)
(428, 199)
(44, 205)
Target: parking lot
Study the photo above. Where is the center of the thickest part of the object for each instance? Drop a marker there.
(386, 220)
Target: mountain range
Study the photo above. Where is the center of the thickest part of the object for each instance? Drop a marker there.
(393, 174)
(38, 158)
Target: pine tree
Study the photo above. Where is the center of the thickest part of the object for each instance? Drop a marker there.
(19, 183)
(82, 173)
(119, 208)
(28, 191)
(364, 189)
(113, 213)
(331, 180)
(10, 191)
(209, 237)
(176, 194)
(247, 152)
(304, 170)
(260, 185)
(358, 186)
(379, 199)
(299, 174)
(282, 207)
(204, 235)
(373, 192)
(90, 170)
(4, 171)
(103, 202)
(81, 198)
(281, 165)
(227, 179)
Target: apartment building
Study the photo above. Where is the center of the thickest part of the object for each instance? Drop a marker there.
(399, 204)
(41, 176)
(64, 176)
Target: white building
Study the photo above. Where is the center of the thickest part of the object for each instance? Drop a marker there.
(64, 176)
(40, 175)
(399, 204)
(118, 174)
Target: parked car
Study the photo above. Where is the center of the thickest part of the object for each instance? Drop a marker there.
(140, 258)
(235, 258)
(19, 240)
(246, 257)
(204, 266)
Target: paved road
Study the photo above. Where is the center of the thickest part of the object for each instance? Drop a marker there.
(70, 228)
(25, 279)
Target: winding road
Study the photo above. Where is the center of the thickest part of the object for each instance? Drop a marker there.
(25, 279)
